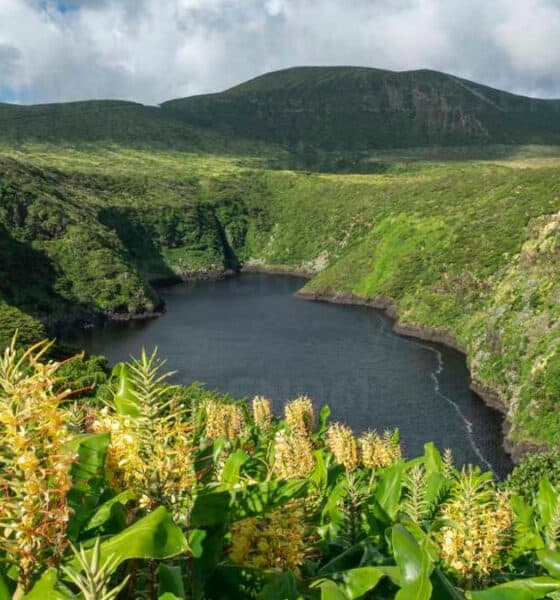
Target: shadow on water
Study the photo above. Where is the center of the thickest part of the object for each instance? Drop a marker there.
(250, 335)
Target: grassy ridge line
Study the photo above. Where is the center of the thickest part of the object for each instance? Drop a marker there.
(469, 249)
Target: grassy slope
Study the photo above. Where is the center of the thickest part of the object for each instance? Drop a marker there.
(470, 248)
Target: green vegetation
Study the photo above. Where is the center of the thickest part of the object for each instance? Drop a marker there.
(466, 248)
(146, 490)
(115, 122)
(324, 116)
(169, 492)
(98, 200)
(350, 108)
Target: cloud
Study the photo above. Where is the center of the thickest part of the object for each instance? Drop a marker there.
(154, 50)
(10, 58)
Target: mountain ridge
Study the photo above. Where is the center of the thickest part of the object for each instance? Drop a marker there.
(328, 108)
(355, 108)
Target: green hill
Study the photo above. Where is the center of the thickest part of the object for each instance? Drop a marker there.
(116, 122)
(350, 108)
(306, 109)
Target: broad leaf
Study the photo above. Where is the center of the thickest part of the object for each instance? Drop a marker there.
(547, 502)
(88, 483)
(443, 589)
(550, 560)
(281, 586)
(232, 468)
(4, 589)
(527, 536)
(105, 511)
(319, 475)
(324, 415)
(170, 581)
(357, 582)
(520, 589)
(329, 590)
(217, 508)
(361, 554)
(196, 539)
(155, 536)
(432, 459)
(414, 566)
(230, 582)
(125, 399)
(46, 587)
(389, 489)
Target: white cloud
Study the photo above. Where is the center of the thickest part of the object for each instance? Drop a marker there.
(153, 50)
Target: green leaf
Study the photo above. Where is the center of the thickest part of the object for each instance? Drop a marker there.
(408, 555)
(205, 564)
(232, 468)
(520, 589)
(196, 538)
(414, 566)
(216, 508)
(362, 553)
(324, 415)
(329, 590)
(170, 581)
(421, 589)
(434, 485)
(358, 582)
(550, 561)
(389, 488)
(547, 502)
(443, 589)
(527, 536)
(4, 589)
(155, 536)
(211, 509)
(125, 398)
(230, 582)
(432, 459)
(46, 587)
(105, 511)
(281, 586)
(88, 479)
(319, 475)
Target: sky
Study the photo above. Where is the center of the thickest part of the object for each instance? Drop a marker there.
(154, 50)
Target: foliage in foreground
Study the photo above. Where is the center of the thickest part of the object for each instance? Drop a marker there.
(167, 492)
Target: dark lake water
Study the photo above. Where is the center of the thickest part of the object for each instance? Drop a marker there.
(250, 335)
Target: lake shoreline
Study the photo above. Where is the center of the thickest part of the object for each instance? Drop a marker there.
(83, 318)
(516, 450)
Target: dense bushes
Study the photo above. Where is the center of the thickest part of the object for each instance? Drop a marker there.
(163, 492)
(525, 477)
